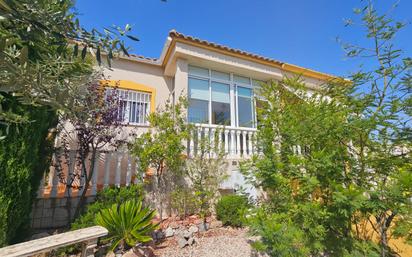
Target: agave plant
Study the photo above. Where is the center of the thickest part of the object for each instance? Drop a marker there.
(127, 223)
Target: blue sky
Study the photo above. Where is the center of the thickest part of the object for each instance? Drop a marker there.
(301, 32)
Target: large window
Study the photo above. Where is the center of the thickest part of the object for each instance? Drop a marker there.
(220, 98)
(198, 100)
(134, 106)
(221, 103)
(245, 107)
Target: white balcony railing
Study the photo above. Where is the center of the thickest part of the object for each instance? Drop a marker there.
(237, 142)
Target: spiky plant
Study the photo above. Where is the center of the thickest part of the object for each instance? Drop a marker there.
(128, 223)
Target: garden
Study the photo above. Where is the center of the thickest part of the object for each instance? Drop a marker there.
(333, 169)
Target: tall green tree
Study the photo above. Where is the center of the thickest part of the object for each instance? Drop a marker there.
(338, 160)
(44, 65)
(24, 156)
(42, 47)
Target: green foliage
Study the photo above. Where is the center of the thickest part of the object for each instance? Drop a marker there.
(162, 149)
(206, 170)
(230, 209)
(337, 158)
(39, 51)
(279, 235)
(24, 157)
(128, 223)
(104, 199)
(183, 201)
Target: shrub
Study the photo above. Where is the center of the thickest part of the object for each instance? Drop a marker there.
(183, 201)
(229, 209)
(25, 153)
(104, 199)
(127, 223)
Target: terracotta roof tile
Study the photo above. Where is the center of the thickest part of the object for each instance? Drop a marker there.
(175, 34)
(286, 66)
(143, 57)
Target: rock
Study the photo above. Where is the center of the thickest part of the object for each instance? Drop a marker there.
(216, 224)
(193, 229)
(181, 242)
(132, 253)
(187, 234)
(39, 235)
(203, 227)
(140, 251)
(102, 251)
(110, 254)
(169, 232)
(191, 241)
(158, 235)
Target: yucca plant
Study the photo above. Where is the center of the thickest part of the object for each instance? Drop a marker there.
(128, 223)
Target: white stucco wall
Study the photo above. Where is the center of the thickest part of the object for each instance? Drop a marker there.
(142, 73)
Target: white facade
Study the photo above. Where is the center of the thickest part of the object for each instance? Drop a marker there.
(218, 82)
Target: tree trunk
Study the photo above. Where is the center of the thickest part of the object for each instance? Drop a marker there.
(87, 182)
(159, 197)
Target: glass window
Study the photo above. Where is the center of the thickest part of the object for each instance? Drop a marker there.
(220, 103)
(245, 107)
(193, 70)
(198, 101)
(241, 79)
(210, 98)
(220, 75)
(134, 106)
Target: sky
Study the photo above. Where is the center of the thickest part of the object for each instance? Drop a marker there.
(301, 32)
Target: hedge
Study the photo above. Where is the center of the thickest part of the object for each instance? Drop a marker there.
(24, 156)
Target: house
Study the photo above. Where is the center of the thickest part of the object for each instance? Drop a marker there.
(218, 82)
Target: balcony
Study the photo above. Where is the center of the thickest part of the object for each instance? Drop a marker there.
(237, 142)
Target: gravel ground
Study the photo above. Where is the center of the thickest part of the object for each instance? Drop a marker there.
(223, 242)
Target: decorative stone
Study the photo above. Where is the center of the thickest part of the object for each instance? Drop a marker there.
(187, 234)
(133, 253)
(181, 242)
(193, 229)
(203, 227)
(102, 251)
(158, 235)
(169, 232)
(191, 241)
(216, 224)
(110, 254)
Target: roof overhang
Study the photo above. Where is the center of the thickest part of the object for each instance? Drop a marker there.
(170, 53)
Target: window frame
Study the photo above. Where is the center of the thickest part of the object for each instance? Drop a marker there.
(233, 94)
(139, 106)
